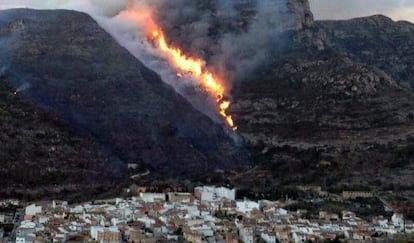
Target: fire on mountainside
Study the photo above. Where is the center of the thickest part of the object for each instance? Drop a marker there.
(183, 63)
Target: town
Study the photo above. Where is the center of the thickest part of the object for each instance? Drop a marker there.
(209, 214)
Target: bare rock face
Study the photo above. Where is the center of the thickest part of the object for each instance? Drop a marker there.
(337, 92)
(303, 15)
(80, 74)
(375, 40)
(301, 101)
(354, 116)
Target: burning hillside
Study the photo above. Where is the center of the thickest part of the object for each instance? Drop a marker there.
(204, 45)
(186, 65)
(101, 91)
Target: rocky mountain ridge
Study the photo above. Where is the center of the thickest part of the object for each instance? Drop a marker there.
(334, 108)
(331, 106)
(375, 40)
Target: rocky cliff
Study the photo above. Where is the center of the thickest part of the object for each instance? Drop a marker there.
(333, 107)
(377, 41)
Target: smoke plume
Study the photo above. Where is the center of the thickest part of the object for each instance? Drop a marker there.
(233, 37)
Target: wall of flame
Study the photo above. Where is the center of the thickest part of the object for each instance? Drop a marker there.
(185, 64)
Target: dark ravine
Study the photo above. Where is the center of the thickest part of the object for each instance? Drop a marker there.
(81, 75)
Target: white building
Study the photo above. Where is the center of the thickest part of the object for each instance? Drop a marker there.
(204, 230)
(25, 233)
(151, 197)
(298, 237)
(246, 234)
(211, 193)
(397, 220)
(281, 211)
(20, 239)
(33, 209)
(96, 229)
(247, 206)
(269, 237)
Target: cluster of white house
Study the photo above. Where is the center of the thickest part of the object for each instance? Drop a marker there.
(211, 214)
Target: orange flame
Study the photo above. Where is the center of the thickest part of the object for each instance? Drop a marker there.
(187, 64)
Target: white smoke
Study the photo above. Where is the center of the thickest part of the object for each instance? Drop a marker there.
(234, 53)
(23, 87)
(129, 35)
(3, 71)
(234, 37)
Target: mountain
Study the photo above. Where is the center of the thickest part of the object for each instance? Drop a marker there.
(41, 156)
(330, 103)
(62, 64)
(377, 41)
(334, 108)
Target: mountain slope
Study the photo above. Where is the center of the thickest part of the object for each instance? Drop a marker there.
(375, 40)
(323, 113)
(326, 109)
(81, 74)
(40, 156)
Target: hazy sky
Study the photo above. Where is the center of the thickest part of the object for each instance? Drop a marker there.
(344, 9)
(99, 7)
(323, 9)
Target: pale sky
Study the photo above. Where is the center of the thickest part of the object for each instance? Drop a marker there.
(344, 9)
(96, 7)
(322, 9)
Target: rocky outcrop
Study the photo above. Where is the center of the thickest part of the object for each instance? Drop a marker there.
(336, 93)
(375, 40)
(300, 9)
(300, 101)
